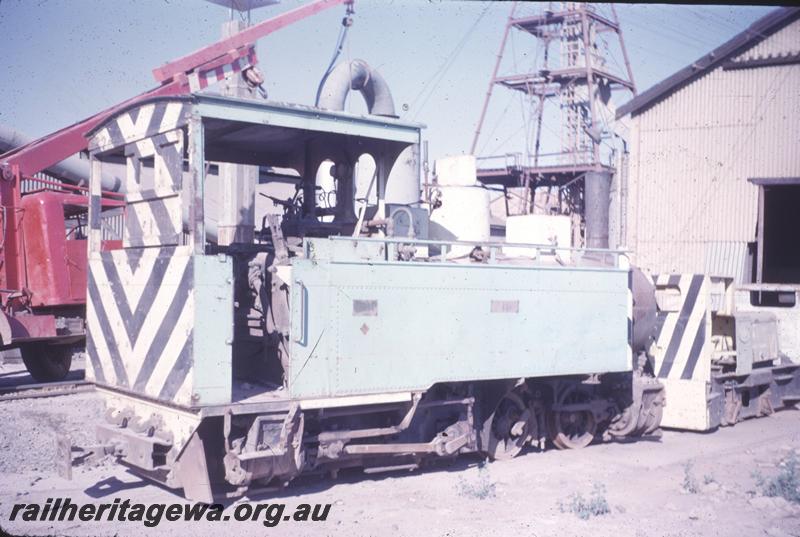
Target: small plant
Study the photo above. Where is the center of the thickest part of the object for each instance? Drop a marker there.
(708, 479)
(481, 487)
(786, 483)
(689, 482)
(584, 509)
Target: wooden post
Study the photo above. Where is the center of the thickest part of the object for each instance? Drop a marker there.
(197, 165)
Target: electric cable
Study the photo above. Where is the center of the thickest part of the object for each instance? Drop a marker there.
(439, 74)
(347, 22)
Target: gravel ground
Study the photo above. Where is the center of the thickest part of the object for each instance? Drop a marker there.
(30, 427)
(683, 485)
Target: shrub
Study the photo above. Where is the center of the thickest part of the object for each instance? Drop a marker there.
(786, 483)
(482, 487)
(689, 482)
(584, 508)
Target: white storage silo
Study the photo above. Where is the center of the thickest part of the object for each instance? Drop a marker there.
(464, 212)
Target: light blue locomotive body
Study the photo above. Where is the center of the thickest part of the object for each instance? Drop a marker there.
(326, 338)
(362, 324)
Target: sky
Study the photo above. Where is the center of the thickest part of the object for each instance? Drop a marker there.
(64, 60)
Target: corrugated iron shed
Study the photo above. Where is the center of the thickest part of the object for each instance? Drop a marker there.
(696, 139)
(747, 43)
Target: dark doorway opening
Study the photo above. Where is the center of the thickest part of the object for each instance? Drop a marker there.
(781, 220)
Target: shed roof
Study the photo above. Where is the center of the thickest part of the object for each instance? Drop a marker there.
(754, 34)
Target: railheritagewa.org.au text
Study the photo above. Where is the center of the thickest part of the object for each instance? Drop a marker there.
(151, 515)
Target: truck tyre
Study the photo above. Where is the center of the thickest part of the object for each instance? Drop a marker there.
(47, 363)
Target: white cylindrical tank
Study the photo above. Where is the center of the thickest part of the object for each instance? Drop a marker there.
(402, 186)
(555, 230)
(460, 170)
(463, 215)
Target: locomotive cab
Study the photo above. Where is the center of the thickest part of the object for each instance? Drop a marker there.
(192, 189)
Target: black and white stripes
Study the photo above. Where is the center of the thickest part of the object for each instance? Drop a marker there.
(140, 303)
(683, 346)
(154, 212)
(140, 315)
(139, 123)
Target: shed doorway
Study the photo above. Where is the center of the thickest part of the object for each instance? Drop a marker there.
(779, 232)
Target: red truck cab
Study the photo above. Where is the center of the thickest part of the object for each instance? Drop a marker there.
(43, 278)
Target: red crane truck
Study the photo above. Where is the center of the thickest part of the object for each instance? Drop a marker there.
(43, 247)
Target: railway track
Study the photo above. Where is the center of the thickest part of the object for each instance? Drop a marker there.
(44, 389)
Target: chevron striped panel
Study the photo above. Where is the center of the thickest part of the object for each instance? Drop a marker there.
(154, 222)
(683, 330)
(141, 122)
(154, 212)
(140, 317)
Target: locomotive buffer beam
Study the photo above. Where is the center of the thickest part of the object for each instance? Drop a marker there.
(141, 450)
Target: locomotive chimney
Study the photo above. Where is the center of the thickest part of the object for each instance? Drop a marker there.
(597, 196)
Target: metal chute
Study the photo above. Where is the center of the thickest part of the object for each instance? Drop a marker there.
(357, 75)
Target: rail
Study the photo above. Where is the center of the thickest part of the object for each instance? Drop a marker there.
(44, 389)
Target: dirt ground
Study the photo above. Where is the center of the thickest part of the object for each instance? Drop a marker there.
(684, 484)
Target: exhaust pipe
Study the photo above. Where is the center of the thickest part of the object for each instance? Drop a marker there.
(402, 185)
(597, 196)
(357, 75)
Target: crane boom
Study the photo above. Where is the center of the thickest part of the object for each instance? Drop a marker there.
(44, 152)
(242, 39)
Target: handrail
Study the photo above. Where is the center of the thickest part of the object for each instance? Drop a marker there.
(69, 188)
(769, 287)
(490, 253)
(429, 242)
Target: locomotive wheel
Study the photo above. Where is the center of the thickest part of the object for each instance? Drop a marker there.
(47, 363)
(573, 429)
(508, 428)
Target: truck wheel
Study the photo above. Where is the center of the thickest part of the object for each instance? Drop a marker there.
(47, 363)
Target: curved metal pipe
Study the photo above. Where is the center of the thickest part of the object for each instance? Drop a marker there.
(402, 185)
(357, 75)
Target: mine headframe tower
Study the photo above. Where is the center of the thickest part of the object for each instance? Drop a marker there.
(576, 79)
